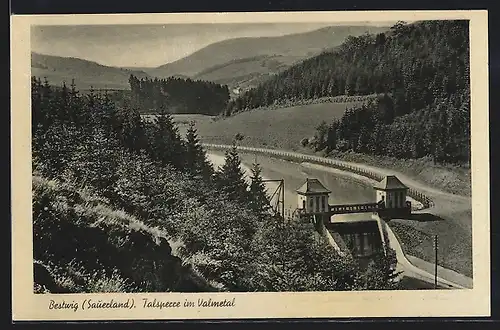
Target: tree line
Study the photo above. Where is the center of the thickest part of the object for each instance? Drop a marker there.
(423, 68)
(177, 95)
(440, 131)
(126, 168)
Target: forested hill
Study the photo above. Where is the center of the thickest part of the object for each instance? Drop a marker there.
(125, 205)
(178, 95)
(422, 67)
(290, 48)
(414, 60)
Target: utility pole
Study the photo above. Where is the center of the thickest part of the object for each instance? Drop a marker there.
(435, 261)
(283, 222)
(283, 198)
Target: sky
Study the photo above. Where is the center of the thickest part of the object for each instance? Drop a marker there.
(151, 45)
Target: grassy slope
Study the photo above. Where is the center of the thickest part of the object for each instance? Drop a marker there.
(72, 228)
(247, 72)
(279, 128)
(454, 242)
(283, 128)
(86, 73)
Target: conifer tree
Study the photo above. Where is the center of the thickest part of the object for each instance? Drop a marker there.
(167, 146)
(230, 177)
(129, 127)
(196, 160)
(133, 131)
(76, 114)
(381, 273)
(60, 104)
(259, 200)
(95, 162)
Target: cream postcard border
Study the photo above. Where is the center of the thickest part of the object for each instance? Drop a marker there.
(470, 302)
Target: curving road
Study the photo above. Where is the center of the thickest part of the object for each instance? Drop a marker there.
(453, 280)
(409, 269)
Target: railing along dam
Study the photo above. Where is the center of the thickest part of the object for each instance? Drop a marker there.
(298, 157)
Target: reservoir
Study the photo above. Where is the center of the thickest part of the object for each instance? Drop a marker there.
(344, 190)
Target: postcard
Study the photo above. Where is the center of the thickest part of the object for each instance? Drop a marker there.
(250, 165)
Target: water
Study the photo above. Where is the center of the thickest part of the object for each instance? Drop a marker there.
(343, 190)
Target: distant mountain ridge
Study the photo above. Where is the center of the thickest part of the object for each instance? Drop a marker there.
(293, 48)
(240, 63)
(58, 69)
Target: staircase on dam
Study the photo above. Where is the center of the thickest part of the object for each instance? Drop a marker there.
(362, 239)
(358, 232)
(339, 240)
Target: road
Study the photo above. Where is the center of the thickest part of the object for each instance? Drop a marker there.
(410, 270)
(453, 279)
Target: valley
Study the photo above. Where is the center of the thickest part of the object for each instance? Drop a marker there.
(374, 102)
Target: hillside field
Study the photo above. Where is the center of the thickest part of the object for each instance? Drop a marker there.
(283, 128)
(278, 128)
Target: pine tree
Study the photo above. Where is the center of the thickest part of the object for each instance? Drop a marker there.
(132, 130)
(167, 146)
(321, 136)
(363, 141)
(260, 201)
(95, 162)
(196, 160)
(61, 104)
(381, 273)
(77, 115)
(38, 118)
(230, 177)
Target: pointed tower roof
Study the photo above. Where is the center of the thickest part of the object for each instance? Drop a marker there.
(313, 186)
(390, 182)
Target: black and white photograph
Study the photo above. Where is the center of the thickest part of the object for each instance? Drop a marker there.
(250, 157)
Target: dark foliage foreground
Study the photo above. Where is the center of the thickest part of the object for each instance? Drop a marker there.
(122, 205)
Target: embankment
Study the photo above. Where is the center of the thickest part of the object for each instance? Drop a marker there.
(444, 214)
(417, 195)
